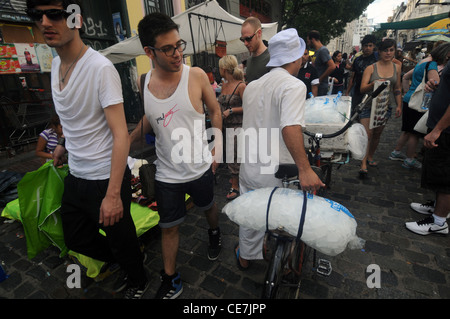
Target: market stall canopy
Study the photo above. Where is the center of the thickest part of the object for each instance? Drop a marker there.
(202, 27)
(413, 23)
(437, 28)
(436, 32)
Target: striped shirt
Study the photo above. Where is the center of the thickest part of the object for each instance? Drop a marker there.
(52, 140)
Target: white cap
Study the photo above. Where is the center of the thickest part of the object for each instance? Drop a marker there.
(285, 47)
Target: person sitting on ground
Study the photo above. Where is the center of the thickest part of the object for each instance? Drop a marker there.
(48, 140)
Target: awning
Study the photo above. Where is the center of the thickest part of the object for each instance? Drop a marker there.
(413, 23)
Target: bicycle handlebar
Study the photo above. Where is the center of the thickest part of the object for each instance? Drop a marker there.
(365, 103)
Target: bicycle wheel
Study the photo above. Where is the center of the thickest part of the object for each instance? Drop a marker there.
(274, 272)
(298, 256)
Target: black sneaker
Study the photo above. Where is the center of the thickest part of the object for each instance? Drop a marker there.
(215, 244)
(122, 280)
(171, 286)
(136, 292)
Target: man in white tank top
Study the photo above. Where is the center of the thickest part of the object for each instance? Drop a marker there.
(174, 95)
(87, 93)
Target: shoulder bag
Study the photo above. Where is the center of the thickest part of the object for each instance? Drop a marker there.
(415, 102)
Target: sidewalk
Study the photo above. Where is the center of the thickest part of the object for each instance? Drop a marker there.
(412, 266)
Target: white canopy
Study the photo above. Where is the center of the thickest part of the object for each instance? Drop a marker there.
(200, 26)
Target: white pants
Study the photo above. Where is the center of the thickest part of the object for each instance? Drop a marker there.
(250, 241)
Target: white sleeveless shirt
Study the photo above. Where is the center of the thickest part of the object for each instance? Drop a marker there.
(181, 142)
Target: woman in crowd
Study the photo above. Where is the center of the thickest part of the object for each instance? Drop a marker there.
(338, 73)
(48, 140)
(383, 70)
(409, 137)
(230, 101)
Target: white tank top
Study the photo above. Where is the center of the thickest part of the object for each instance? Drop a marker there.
(181, 142)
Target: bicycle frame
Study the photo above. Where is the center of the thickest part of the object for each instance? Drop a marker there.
(284, 255)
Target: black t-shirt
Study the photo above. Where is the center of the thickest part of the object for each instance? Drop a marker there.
(440, 101)
(338, 73)
(308, 74)
(359, 66)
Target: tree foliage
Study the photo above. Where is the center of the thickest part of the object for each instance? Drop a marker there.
(329, 17)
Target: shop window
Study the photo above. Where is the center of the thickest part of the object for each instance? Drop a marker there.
(163, 6)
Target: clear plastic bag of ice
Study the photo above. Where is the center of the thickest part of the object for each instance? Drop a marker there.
(357, 141)
(330, 109)
(329, 227)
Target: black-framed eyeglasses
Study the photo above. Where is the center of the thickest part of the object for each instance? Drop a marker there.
(248, 39)
(52, 14)
(169, 50)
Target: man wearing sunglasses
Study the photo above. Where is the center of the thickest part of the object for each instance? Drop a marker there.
(87, 94)
(174, 95)
(251, 36)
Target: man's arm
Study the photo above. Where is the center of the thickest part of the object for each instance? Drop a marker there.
(350, 83)
(111, 210)
(328, 71)
(293, 138)
(143, 128)
(430, 139)
(215, 115)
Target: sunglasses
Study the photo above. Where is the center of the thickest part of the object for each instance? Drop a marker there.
(248, 39)
(52, 14)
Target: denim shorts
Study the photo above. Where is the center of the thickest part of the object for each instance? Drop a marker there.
(171, 198)
(365, 114)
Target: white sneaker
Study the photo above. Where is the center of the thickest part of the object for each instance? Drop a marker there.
(425, 208)
(427, 227)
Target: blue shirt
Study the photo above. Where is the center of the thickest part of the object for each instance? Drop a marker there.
(417, 78)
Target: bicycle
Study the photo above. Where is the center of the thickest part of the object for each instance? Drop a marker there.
(290, 254)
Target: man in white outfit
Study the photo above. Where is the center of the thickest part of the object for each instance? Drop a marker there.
(274, 106)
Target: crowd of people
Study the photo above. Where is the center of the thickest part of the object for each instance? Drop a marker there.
(271, 95)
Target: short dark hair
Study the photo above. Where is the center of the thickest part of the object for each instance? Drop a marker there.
(440, 53)
(153, 25)
(369, 39)
(386, 44)
(314, 35)
(31, 4)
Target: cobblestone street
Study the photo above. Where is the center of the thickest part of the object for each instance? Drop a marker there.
(412, 266)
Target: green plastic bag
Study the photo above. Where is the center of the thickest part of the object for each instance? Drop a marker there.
(40, 194)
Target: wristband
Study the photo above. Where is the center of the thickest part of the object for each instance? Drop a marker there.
(62, 141)
(231, 111)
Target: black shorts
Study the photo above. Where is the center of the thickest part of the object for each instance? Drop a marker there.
(410, 118)
(436, 166)
(171, 198)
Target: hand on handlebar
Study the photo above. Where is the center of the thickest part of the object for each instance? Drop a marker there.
(310, 182)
